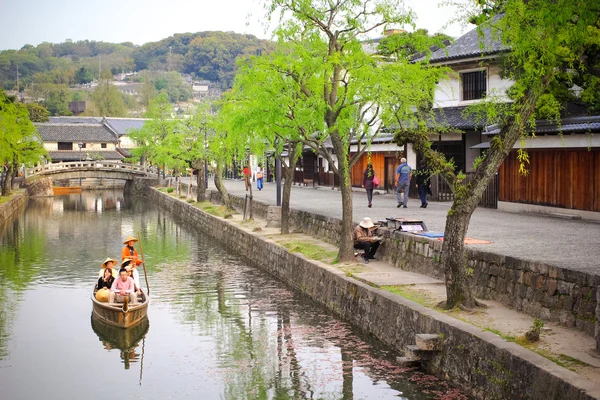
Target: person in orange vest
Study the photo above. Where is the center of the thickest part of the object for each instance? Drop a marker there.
(131, 254)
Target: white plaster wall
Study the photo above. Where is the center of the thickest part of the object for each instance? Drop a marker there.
(448, 92)
(126, 142)
(50, 146)
(98, 146)
(379, 147)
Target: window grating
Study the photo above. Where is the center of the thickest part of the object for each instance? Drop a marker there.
(474, 85)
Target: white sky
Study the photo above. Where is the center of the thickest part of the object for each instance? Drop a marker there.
(141, 21)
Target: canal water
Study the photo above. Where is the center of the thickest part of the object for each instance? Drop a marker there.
(217, 327)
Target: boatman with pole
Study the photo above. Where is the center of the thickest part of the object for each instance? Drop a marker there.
(130, 253)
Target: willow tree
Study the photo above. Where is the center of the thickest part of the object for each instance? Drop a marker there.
(348, 82)
(267, 109)
(150, 139)
(543, 38)
(20, 143)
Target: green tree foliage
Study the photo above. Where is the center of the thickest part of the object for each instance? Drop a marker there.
(57, 99)
(207, 55)
(83, 75)
(150, 139)
(544, 38)
(19, 140)
(37, 113)
(346, 83)
(108, 100)
(58, 63)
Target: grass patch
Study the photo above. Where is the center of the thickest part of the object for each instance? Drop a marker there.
(213, 209)
(412, 294)
(12, 195)
(310, 250)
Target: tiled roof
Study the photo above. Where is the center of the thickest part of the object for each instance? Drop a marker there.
(73, 155)
(77, 132)
(123, 125)
(569, 125)
(472, 44)
(453, 117)
(75, 120)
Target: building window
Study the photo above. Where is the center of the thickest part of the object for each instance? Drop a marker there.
(65, 146)
(103, 145)
(83, 147)
(474, 85)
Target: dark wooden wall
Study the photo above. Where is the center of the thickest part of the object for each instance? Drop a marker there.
(568, 178)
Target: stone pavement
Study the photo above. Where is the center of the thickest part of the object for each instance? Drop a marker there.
(571, 244)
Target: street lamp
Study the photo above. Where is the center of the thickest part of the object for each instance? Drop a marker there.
(80, 146)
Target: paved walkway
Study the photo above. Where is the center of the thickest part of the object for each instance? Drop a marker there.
(572, 244)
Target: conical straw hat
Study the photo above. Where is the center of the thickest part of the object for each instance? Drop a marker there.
(129, 239)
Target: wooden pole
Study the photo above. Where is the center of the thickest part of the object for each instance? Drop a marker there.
(144, 263)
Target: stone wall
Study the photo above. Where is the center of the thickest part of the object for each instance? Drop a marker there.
(540, 290)
(478, 361)
(537, 289)
(12, 207)
(39, 187)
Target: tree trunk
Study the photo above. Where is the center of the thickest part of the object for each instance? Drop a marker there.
(458, 289)
(346, 252)
(221, 187)
(294, 152)
(249, 177)
(200, 183)
(7, 182)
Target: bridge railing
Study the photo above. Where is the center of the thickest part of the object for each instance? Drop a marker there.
(86, 165)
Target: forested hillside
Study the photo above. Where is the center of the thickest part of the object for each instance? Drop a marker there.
(204, 55)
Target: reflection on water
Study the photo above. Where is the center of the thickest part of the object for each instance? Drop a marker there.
(127, 341)
(220, 329)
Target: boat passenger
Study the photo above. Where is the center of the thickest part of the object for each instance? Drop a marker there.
(130, 253)
(130, 272)
(106, 281)
(122, 287)
(110, 264)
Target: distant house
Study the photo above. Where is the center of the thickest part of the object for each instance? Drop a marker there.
(119, 127)
(79, 141)
(122, 127)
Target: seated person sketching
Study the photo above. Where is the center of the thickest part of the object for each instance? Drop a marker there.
(364, 239)
(121, 288)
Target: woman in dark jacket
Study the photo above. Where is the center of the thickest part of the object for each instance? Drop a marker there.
(368, 183)
(106, 280)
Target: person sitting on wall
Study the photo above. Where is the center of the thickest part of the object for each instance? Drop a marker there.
(364, 239)
(123, 287)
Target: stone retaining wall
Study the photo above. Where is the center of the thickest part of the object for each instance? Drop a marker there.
(12, 207)
(540, 290)
(537, 289)
(480, 362)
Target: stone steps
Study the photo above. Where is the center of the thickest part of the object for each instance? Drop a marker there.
(426, 347)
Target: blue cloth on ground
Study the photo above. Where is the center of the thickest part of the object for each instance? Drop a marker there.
(432, 234)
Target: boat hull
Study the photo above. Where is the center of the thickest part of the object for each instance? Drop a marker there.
(115, 316)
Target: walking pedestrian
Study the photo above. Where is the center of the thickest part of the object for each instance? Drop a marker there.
(403, 176)
(423, 184)
(368, 184)
(259, 177)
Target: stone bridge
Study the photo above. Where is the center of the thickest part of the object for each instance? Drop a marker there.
(89, 169)
(39, 179)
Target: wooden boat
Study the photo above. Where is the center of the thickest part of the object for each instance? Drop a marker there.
(121, 315)
(58, 190)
